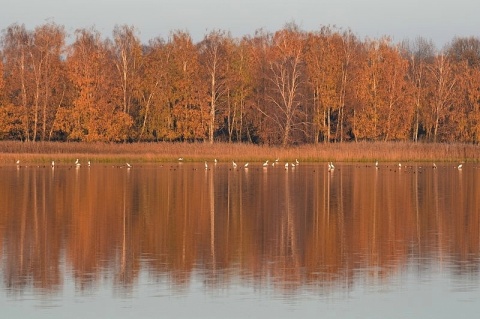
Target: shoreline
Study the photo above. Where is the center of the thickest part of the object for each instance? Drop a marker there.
(161, 152)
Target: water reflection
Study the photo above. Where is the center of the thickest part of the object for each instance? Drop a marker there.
(295, 229)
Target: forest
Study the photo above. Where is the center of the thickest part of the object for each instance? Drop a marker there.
(288, 87)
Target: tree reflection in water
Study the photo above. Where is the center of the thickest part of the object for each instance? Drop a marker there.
(296, 228)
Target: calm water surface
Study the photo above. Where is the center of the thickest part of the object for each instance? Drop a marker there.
(179, 241)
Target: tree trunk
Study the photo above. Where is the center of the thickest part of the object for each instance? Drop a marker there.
(212, 107)
(24, 96)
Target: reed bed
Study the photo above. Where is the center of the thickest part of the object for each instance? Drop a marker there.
(44, 152)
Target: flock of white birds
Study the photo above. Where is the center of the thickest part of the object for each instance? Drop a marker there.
(265, 164)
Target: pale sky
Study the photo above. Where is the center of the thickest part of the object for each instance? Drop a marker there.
(436, 20)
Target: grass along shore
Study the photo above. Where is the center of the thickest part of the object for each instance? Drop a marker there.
(66, 152)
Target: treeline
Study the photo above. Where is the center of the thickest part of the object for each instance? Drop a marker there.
(281, 88)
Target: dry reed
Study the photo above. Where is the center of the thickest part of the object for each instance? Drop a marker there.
(43, 152)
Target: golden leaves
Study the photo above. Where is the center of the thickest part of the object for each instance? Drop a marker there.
(289, 86)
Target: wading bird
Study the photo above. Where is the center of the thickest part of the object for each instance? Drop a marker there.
(128, 165)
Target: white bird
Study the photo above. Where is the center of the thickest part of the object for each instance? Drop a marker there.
(286, 165)
(331, 167)
(215, 161)
(296, 161)
(460, 166)
(399, 165)
(277, 160)
(292, 165)
(246, 165)
(18, 162)
(206, 165)
(89, 163)
(53, 163)
(376, 164)
(265, 164)
(234, 164)
(434, 166)
(180, 159)
(77, 162)
(128, 165)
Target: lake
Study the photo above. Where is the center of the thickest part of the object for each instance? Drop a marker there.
(180, 241)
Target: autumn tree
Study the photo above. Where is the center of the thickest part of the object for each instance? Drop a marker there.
(213, 56)
(93, 116)
(322, 70)
(397, 107)
(187, 96)
(10, 115)
(472, 105)
(442, 82)
(35, 75)
(127, 56)
(349, 46)
(50, 81)
(466, 50)
(419, 54)
(328, 55)
(16, 41)
(465, 53)
(286, 76)
(155, 115)
(366, 113)
(257, 53)
(384, 94)
(239, 87)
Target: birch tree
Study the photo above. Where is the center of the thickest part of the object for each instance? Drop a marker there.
(419, 54)
(127, 59)
(155, 115)
(50, 83)
(442, 86)
(285, 76)
(213, 54)
(16, 41)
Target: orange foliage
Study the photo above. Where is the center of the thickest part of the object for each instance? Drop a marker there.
(286, 87)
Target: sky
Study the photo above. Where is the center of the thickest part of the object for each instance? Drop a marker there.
(436, 20)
